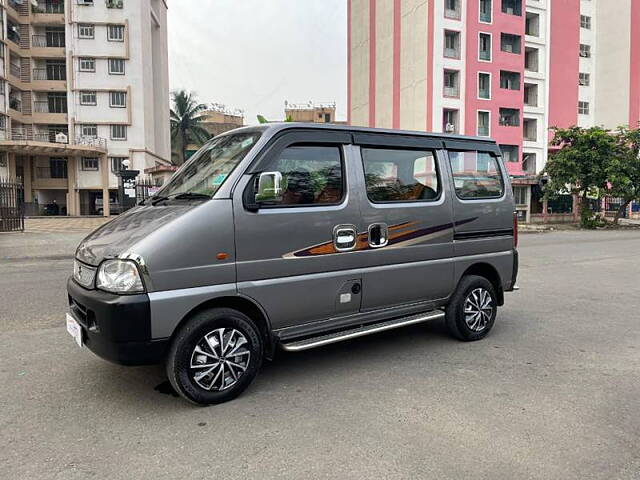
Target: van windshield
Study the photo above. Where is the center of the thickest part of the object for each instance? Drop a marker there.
(207, 169)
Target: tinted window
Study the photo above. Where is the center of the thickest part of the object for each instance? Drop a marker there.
(311, 175)
(400, 175)
(476, 175)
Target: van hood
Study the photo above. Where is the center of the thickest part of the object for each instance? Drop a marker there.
(123, 232)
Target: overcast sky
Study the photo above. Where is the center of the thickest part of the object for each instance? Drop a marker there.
(255, 54)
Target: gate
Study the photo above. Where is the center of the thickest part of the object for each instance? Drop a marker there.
(11, 205)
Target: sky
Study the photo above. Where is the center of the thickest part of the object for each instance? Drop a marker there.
(255, 54)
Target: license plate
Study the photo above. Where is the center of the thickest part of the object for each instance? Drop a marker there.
(74, 329)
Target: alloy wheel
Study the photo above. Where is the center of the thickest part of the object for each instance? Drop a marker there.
(219, 359)
(478, 309)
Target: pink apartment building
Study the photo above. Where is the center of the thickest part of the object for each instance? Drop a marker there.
(507, 69)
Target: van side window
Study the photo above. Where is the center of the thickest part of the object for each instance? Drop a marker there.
(311, 175)
(476, 175)
(400, 175)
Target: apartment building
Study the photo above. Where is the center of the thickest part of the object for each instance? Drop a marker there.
(84, 87)
(506, 69)
(310, 112)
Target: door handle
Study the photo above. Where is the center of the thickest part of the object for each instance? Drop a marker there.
(378, 235)
(344, 237)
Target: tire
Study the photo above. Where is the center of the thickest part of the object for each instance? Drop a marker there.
(481, 295)
(190, 372)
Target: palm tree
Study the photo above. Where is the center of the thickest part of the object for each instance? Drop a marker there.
(186, 118)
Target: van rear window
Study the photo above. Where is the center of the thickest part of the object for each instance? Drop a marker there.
(400, 175)
(476, 175)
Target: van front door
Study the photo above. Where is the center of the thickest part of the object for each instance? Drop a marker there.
(407, 213)
(294, 252)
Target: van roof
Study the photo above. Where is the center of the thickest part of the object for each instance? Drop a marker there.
(279, 126)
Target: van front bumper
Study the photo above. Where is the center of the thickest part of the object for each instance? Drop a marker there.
(116, 327)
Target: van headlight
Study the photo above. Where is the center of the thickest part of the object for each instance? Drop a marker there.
(119, 276)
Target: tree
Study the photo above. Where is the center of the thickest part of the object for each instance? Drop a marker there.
(580, 166)
(623, 169)
(262, 119)
(186, 123)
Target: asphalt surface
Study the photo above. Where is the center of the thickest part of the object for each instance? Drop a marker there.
(552, 393)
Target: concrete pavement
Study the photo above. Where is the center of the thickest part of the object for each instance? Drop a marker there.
(552, 393)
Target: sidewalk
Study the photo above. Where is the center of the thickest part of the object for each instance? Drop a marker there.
(62, 224)
(47, 238)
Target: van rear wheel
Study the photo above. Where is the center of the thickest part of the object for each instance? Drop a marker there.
(215, 356)
(472, 309)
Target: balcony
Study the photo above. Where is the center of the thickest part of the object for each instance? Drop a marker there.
(48, 7)
(50, 44)
(23, 140)
(15, 70)
(53, 73)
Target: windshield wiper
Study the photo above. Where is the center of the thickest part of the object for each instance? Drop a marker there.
(190, 195)
(179, 196)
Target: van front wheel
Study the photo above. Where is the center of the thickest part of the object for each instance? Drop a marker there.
(472, 309)
(215, 356)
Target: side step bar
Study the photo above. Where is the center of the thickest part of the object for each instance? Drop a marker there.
(297, 346)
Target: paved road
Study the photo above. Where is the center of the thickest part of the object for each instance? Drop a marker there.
(552, 393)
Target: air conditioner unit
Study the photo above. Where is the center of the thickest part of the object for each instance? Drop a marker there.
(85, 2)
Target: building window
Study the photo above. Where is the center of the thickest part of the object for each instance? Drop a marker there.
(484, 86)
(117, 99)
(509, 117)
(529, 163)
(88, 3)
(451, 44)
(530, 129)
(57, 167)
(585, 22)
(485, 11)
(512, 7)
(583, 108)
(90, 164)
(116, 163)
(531, 59)
(115, 3)
(520, 195)
(115, 33)
(484, 46)
(585, 79)
(585, 50)
(116, 66)
(531, 94)
(509, 80)
(86, 30)
(451, 83)
(56, 102)
(89, 130)
(53, 37)
(510, 43)
(509, 153)
(450, 121)
(327, 118)
(87, 64)
(452, 9)
(484, 124)
(118, 132)
(532, 25)
(88, 97)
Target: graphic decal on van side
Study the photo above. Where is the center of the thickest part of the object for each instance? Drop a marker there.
(400, 235)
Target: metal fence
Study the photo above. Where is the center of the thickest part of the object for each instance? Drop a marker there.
(11, 205)
(144, 189)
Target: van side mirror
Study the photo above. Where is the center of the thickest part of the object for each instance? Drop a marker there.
(269, 187)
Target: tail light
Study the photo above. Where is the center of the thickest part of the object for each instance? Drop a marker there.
(515, 229)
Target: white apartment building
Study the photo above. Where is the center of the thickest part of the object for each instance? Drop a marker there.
(87, 88)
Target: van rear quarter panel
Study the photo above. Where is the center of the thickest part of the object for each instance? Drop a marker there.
(484, 232)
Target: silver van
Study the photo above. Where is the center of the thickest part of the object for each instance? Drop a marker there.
(295, 236)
